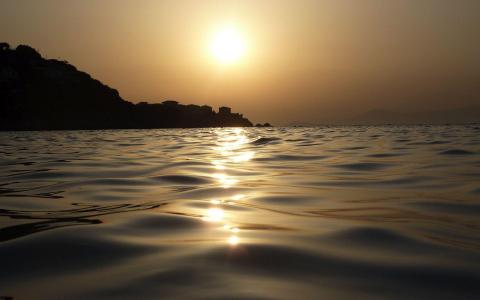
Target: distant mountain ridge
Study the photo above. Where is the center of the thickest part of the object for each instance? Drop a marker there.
(454, 116)
(46, 94)
(466, 115)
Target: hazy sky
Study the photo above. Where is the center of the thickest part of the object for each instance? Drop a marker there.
(311, 61)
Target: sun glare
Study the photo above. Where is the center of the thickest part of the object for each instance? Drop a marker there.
(228, 45)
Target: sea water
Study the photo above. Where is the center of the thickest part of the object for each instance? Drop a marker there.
(388, 212)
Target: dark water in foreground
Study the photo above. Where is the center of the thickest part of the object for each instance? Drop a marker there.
(305, 213)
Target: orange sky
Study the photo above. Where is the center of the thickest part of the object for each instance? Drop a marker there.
(309, 61)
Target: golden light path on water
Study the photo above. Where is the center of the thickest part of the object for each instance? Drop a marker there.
(229, 148)
(254, 213)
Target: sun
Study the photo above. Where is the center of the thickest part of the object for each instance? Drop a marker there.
(228, 45)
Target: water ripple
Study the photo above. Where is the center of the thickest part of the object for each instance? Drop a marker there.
(386, 212)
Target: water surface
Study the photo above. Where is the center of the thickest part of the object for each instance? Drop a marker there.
(258, 213)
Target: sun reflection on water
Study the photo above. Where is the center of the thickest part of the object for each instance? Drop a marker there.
(230, 152)
(214, 215)
(218, 165)
(233, 240)
(225, 180)
(245, 156)
(237, 197)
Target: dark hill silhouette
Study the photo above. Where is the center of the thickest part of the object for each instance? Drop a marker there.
(45, 94)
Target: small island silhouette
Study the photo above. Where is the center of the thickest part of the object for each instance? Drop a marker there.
(49, 94)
